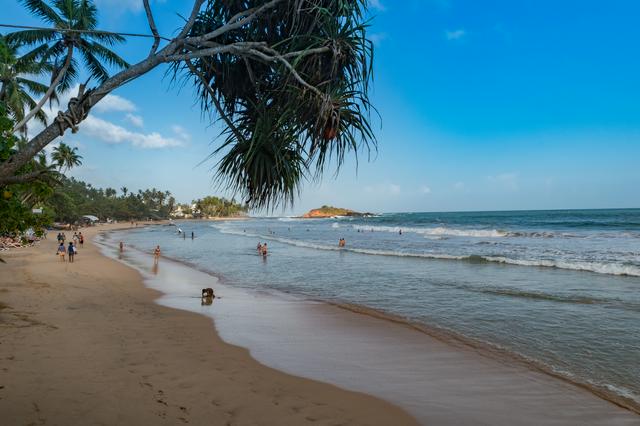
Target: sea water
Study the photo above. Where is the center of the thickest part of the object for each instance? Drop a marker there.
(560, 289)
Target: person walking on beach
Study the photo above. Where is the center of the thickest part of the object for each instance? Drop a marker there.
(156, 254)
(72, 251)
(81, 237)
(61, 251)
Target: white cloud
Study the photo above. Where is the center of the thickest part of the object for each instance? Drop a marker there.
(455, 34)
(114, 134)
(377, 4)
(112, 103)
(424, 189)
(181, 132)
(136, 120)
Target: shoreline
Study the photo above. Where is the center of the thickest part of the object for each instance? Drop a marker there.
(453, 338)
(452, 341)
(450, 337)
(88, 343)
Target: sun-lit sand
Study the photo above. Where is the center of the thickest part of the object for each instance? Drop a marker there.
(85, 343)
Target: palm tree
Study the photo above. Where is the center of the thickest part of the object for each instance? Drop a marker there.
(65, 156)
(74, 20)
(15, 87)
(124, 190)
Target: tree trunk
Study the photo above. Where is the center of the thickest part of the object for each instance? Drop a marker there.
(49, 92)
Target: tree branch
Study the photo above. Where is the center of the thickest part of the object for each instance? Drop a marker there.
(27, 177)
(229, 26)
(277, 57)
(48, 93)
(181, 48)
(192, 18)
(152, 26)
(221, 111)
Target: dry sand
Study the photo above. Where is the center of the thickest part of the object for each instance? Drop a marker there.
(84, 343)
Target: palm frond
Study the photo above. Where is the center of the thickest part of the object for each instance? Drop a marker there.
(43, 11)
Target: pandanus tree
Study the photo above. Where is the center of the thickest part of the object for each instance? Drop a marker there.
(287, 80)
(77, 20)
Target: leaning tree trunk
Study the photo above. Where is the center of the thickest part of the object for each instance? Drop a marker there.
(48, 93)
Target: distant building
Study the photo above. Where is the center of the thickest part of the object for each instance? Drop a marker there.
(178, 212)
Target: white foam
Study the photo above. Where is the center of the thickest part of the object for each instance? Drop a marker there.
(597, 267)
(437, 231)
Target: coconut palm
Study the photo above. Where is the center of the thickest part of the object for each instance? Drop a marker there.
(66, 157)
(75, 18)
(124, 190)
(16, 89)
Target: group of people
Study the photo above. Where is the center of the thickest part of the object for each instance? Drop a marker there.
(72, 249)
(342, 242)
(262, 249)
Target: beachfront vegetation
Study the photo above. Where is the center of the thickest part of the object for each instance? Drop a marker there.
(74, 199)
(218, 207)
(32, 184)
(286, 79)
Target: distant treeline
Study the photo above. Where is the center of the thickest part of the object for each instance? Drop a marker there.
(74, 199)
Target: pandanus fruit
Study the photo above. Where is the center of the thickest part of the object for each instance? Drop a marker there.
(332, 127)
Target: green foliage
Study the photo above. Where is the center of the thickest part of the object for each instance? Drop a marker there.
(334, 211)
(17, 200)
(17, 89)
(66, 157)
(92, 48)
(75, 199)
(219, 207)
(280, 130)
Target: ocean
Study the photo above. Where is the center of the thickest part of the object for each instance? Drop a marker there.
(559, 290)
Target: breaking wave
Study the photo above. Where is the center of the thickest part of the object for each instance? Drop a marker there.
(593, 266)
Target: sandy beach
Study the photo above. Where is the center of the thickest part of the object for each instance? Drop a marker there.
(84, 343)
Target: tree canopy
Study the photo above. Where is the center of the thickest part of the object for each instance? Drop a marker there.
(287, 79)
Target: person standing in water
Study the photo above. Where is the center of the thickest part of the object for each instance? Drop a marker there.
(121, 246)
(264, 250)
(192, 235)
(156, 254)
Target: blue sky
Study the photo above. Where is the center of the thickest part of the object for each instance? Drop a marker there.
(484, 105)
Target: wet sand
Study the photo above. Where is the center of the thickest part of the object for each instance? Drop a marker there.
(85, 343)
(438, 382)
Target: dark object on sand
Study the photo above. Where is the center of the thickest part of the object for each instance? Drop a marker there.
(207, 296)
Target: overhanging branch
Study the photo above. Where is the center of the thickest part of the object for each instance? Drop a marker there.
(152, 27)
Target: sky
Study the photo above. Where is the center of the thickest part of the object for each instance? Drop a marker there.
(484, 105)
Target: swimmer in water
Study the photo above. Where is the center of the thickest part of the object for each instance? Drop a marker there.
(264, 250)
